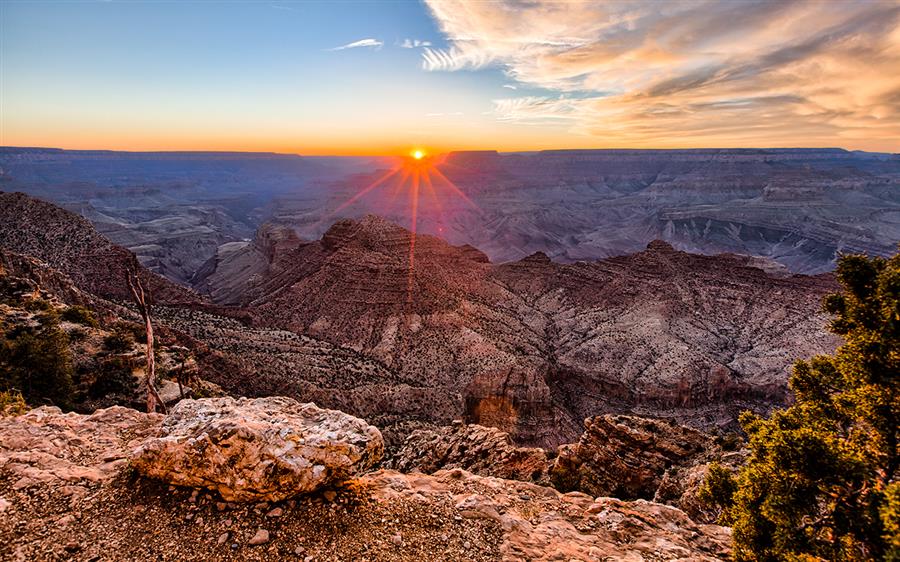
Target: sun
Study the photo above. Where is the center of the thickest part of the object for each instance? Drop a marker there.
(417, 154)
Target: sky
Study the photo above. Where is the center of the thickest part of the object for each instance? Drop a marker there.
(386, 77)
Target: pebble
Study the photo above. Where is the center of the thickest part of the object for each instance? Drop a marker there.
(221, 506)
(223, 538)
(261, 537)
(330, 495)
(299, 551)
(275, 512)
(397, 539)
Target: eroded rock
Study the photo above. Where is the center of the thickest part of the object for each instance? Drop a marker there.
(627, 456)
(483, 450)
(258, 449)
(46, 446)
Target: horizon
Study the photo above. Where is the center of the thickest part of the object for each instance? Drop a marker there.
(367, 79)
(432, 154)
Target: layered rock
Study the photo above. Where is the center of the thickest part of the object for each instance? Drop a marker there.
(534, 347)
(69, 243)
(626, 456)
(542, 524)
(482, 450)
(45, 446)
(258, 449)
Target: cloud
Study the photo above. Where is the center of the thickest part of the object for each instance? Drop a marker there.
(370, 43)
(644, 73)
(510, 86)
(414, 43)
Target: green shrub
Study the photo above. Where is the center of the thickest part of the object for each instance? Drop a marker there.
(37, 363)
(80, 315)
(77, 335)
(821, 479)
(36, 305)
(118, 341)
(114, 376)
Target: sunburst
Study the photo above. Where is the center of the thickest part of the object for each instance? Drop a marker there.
(414, 173)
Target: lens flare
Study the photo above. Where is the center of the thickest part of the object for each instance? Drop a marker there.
(414, 174)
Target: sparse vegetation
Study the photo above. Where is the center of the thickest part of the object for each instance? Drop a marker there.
(11, 403)
(36, 361)
(821, 480)
(80, 315)
(118, 341)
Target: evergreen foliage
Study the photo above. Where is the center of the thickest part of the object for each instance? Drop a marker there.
(821, 479)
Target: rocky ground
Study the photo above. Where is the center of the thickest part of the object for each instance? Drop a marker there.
(66, 493)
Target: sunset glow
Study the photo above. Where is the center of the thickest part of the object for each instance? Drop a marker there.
(319, 78)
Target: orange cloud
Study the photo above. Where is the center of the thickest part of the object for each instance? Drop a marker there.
(691, 73)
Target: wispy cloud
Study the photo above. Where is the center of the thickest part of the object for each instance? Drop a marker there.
(414, 43)
(362, 43)
(676, 73)
(510, 86)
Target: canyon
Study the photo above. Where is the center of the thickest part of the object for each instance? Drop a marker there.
(176, 210)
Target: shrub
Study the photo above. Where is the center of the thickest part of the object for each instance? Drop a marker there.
(80, 315)
(77, 335)
(821, 479)
(11, 403)
(37, 363)
(118, 341)
(114, 376)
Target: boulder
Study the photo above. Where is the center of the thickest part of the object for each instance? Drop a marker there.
(627, 456)
(482, 450)
(262, 449)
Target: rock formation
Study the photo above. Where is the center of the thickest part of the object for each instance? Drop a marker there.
(626, 456)
(485, 451)
(65, 493)
(70, 244)
(531, 347)
(799, 207)
(264, 449)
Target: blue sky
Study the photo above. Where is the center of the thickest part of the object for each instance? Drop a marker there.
(272, 76)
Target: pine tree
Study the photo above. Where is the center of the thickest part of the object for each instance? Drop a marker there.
(821, 482)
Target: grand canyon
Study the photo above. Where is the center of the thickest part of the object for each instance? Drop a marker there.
(450, 280)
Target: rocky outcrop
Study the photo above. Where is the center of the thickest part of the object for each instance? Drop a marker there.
(258, 449)
(681, 485)
(65, 493)
(626, 456)
(69, 243)
(486, 451)
(45, 446)
(542, 524)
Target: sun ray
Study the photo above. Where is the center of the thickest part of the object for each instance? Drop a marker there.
(366, 190)
(438, 206)
(414, 196)
(455, 189)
